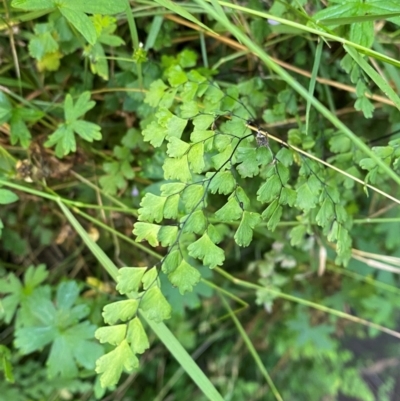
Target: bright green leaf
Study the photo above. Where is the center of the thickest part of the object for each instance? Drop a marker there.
(129, 279)
(207, 251)
(111, 365)
(137, 336)
(152, 208)
(244, 233)
(120, 310)
(185, 277)
(6, 196)
(222, 182)
(112, 335)
(155, 306)
(148, 232)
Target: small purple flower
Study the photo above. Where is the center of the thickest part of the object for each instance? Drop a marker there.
(135, 191)
(273, 22)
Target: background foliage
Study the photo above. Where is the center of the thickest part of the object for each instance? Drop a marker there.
(201, 177)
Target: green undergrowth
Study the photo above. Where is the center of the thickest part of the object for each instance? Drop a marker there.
(206, 213)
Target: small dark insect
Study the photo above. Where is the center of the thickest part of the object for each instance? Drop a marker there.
(262, 139)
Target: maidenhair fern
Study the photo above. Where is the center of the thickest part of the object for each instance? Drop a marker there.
(213, 148)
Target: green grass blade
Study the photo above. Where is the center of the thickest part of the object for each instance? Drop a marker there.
(306, 28)
(317, 60)
(181, 11)
(252, 351)
(383, 85)
(160, 329)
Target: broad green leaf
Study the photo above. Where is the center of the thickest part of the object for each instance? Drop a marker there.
(111, 365)
(129, 279)
(31, 5)
(120, 310)
(104, 7)
(67, 294)
(72, 347)
(19, 131)
(137, 336)
(35, 276)
(270, 189)
(64, 140)
(152, 208)
(231, 211)
(244, 233)
(83, 24)
(155, 306)
(221, 182)
(5, 108)
(43, 42)
(86, 130)
(6, 196)
(207, 251)
(82, 105)
(112, 335)
(33, 338)
(185, 277)
(148, 232)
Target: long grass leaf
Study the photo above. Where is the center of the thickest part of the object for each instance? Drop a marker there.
(317, 60)
(382, 84)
